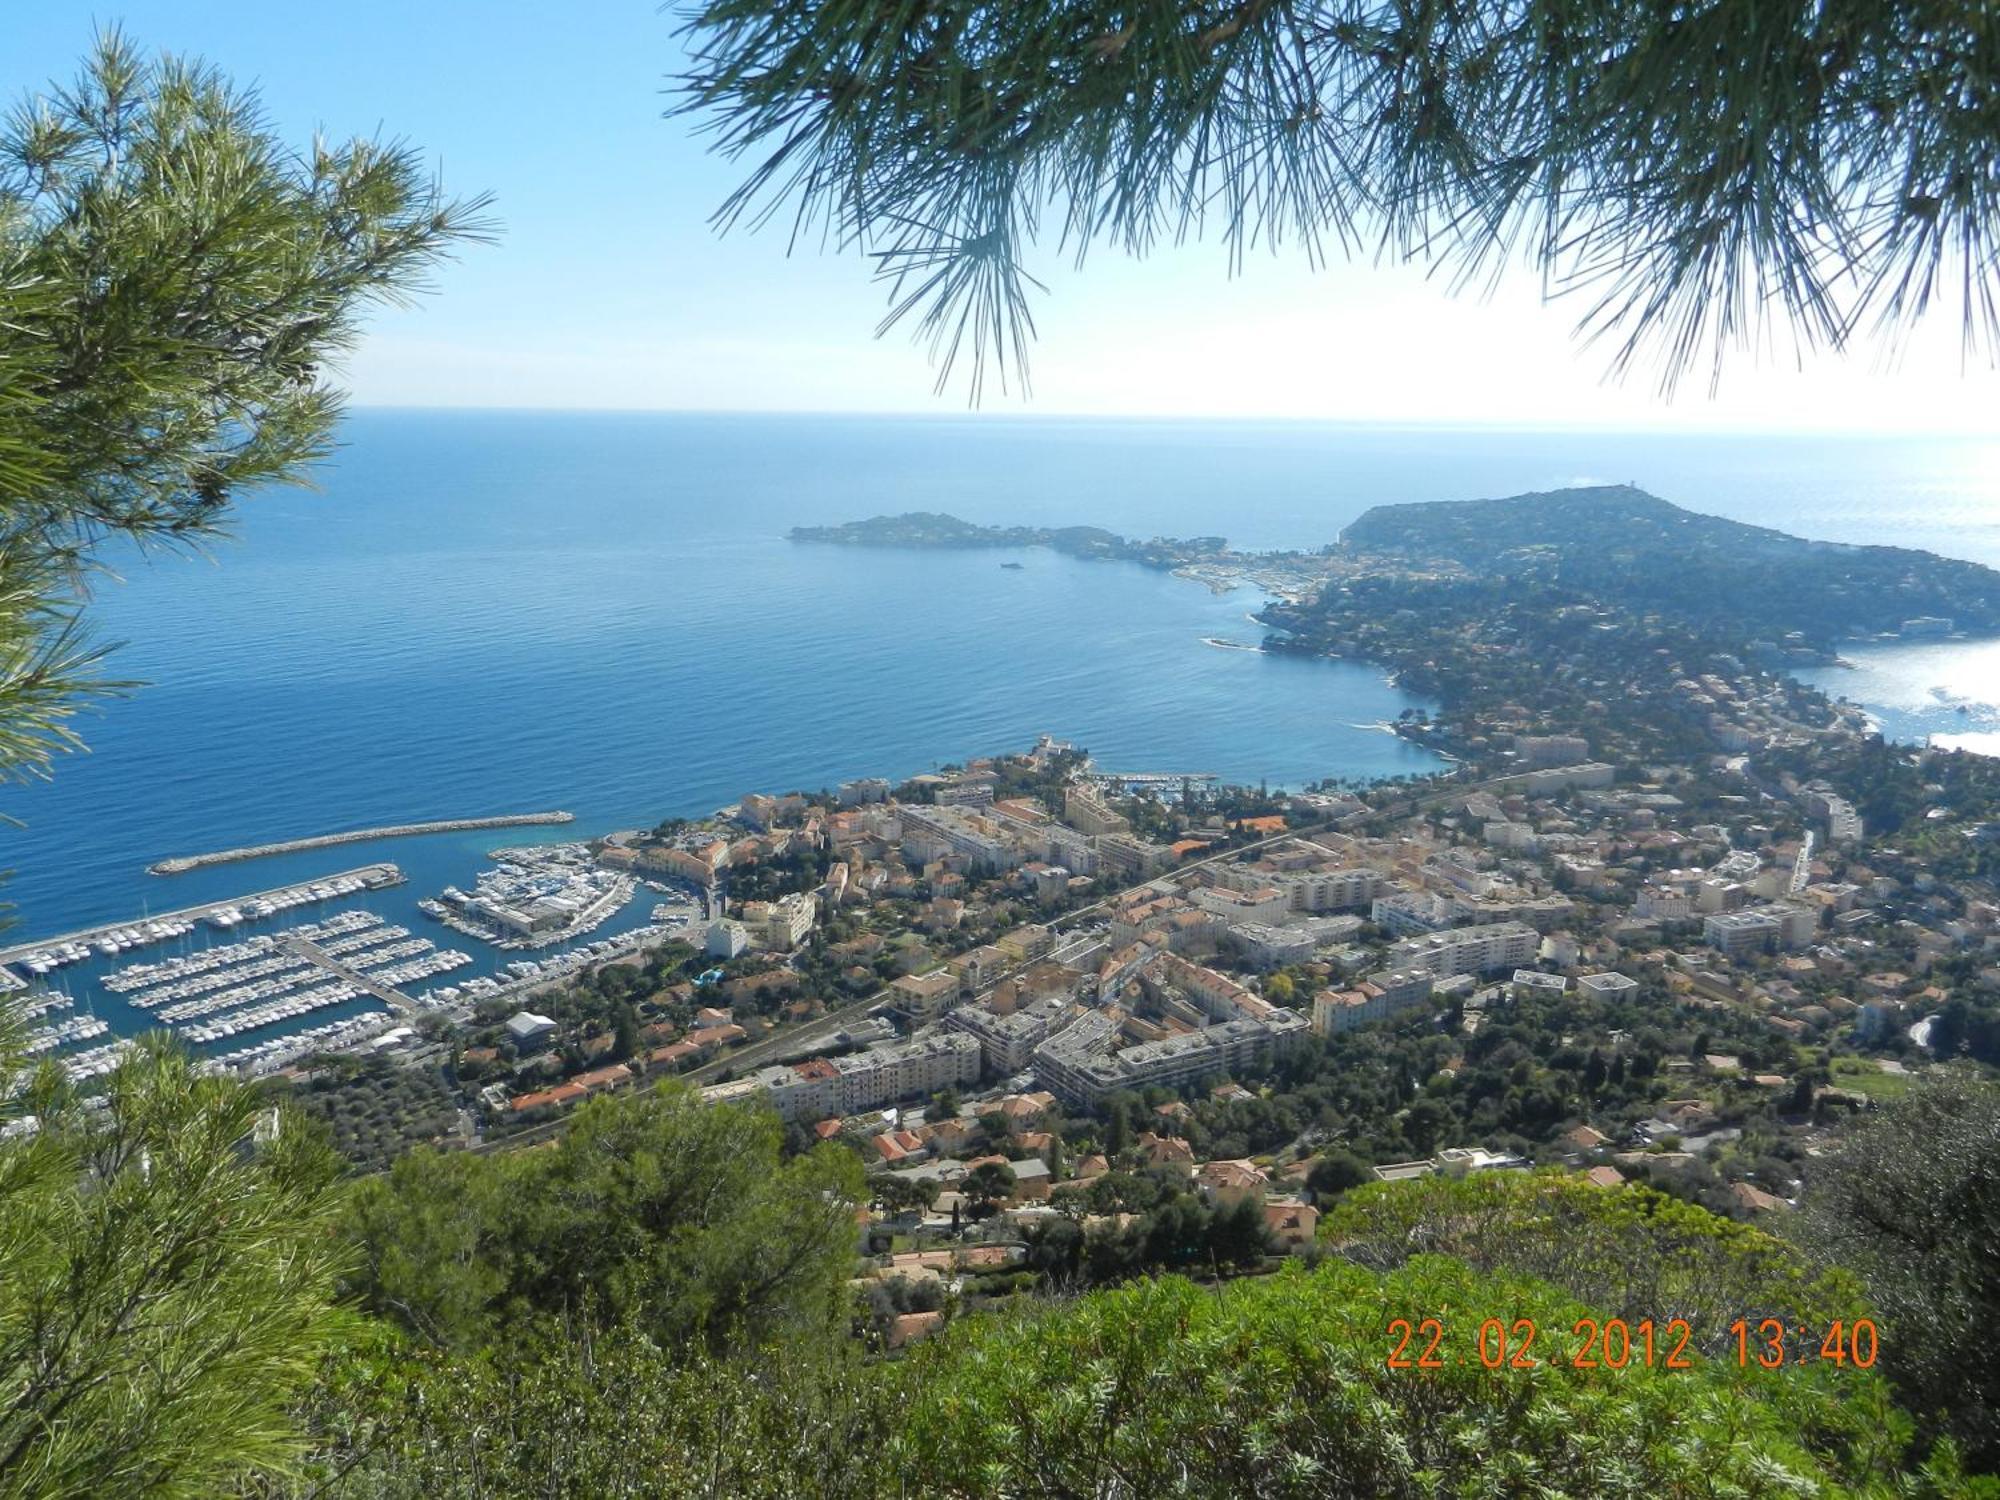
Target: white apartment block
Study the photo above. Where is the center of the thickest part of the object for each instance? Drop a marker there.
(1070, 849)
(1661, 903)
(1556, 779)
(1080, 1063)
(1264, 904)
(1007, 1043)
(1310, 891)
(781, 925)
(1469, 950)
(1133, 858)
(1607, 986)
(1084, 809)
(1736, 934)
(906, 1070)
(1266, 947)
(935, 833)
(1551, 749)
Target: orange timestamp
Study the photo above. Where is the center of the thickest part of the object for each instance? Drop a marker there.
(1618, 1344)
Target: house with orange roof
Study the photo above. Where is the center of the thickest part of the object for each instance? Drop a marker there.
(673, 1057)
(1230, 1182)
(908, 1328)
(562, 1094)
(599, 1079)
(1038, 1143)
(1165, 1151)
(1025, 1109)
(1756, 1200)
(1291, 1222)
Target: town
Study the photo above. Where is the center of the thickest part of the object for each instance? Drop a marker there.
(1048, 1010)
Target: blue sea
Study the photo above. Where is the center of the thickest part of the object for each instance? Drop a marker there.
(483, 613)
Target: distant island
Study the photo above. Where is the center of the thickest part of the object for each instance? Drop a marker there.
(937, 531)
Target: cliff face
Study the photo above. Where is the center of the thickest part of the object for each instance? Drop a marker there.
(1637, 549)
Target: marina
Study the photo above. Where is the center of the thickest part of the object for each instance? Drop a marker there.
(267, 980)
(45, 955)
(77, 1029)
(535, 897)
(253, 982)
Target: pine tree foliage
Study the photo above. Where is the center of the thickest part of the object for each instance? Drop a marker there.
(1693, 174)
(172, 279)
(167, 1276)
(1910, 1200)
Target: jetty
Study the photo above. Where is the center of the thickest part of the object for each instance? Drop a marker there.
(388, 994)
(181, 864)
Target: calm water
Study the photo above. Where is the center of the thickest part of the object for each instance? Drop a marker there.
(486, 613)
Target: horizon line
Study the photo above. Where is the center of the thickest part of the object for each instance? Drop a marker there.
(1459, 424)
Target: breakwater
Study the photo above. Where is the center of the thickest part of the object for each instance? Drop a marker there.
(181, 864)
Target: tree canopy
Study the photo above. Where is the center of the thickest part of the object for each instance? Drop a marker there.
(173, 277)
(1910, 1201)
(675, 1214)
(1684, 171)
(168, 1270)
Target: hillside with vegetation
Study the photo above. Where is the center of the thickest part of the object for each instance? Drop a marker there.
(196, 1300)
(1643, 553)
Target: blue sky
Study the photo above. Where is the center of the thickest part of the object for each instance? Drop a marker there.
(609, 289)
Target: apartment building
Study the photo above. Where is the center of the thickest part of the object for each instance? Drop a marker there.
(946, 833)
(1738, 934)
(924, 997)
(781, 925)
(1309, 891)
(1537, 751)
(1132, 858)
(906, 1070)
(1085, 810)
(1468, 950)
(1082, 1064)
(1262, 903)
(1007, 1043)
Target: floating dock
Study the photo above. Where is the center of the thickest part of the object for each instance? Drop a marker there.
(181, 864)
